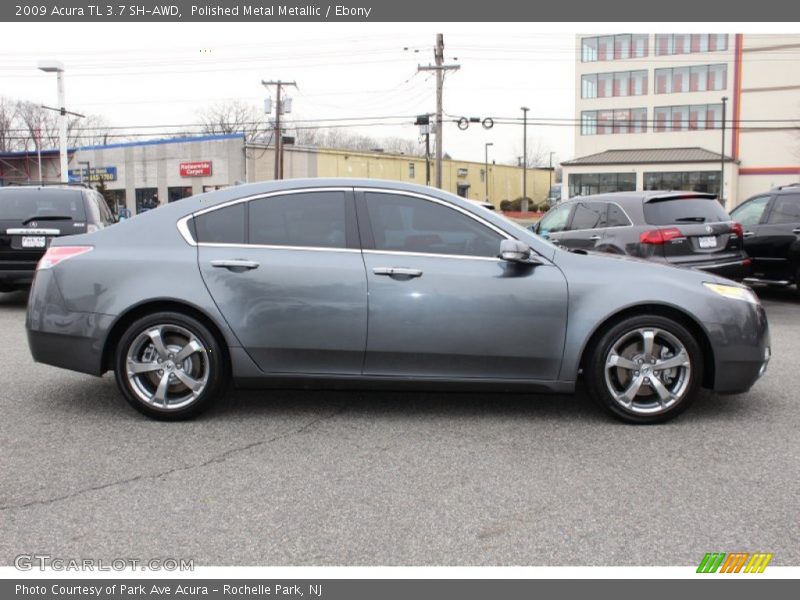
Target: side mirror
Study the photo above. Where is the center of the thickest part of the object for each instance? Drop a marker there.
(514, 251)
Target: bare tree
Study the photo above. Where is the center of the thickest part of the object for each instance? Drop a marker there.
(8, 114)
(34, 125)
(538, 153)
(235, 116)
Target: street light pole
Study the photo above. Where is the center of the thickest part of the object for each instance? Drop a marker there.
(722, 155)
(551, 173)
(524, 206)
(57, 67)
(486, 167)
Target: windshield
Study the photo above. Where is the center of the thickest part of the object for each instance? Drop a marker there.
(19, 205)
(684, 210)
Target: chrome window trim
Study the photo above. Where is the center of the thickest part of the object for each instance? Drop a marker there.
(431, 255)
(183, 222)
(273, 247)
(464, 211)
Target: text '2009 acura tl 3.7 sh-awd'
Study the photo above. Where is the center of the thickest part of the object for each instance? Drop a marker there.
(364, 282)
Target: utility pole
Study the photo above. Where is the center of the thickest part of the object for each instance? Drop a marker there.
(551, 173)
(278, 134)
(524, 206)
(424, 124)
(722, 155)
(486, 166)
(440, 69)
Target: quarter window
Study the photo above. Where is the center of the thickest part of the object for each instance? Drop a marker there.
(409, 224)
(617, 217)
(312, 219)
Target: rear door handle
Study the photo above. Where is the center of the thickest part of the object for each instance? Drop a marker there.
(796, 230)
(749, 234)
(594, 238)
(235, 264)
(397, 272)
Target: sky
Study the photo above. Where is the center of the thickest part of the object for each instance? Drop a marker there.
(156, 74)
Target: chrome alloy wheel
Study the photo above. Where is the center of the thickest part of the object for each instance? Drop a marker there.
(647, 370)
(167, 366)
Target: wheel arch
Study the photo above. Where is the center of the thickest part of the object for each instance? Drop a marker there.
(662, 310)
(140, 310)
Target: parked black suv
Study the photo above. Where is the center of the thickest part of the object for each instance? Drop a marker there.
(687, 229)
(31, 216)
(771, 224)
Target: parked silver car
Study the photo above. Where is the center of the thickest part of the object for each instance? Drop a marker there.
(364, 282)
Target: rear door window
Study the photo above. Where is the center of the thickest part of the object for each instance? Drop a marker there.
(785, 210)
(310, 219)
(36, 204)
(684, 210)
(222, 226)
(589, 216)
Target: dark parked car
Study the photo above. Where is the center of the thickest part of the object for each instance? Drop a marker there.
(364, 282)
(31, 217)
(771, 224)
(687, 229)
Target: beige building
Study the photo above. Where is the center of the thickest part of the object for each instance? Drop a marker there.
(649, 108)
(465, 178)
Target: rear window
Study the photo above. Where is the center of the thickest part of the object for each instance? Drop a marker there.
(687, 210)
(20, 205)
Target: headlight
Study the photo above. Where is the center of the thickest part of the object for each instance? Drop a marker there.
(734, 292)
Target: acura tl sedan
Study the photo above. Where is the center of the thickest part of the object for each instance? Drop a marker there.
(366, 283)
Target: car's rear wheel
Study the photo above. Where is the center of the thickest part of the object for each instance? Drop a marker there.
(169, 366)
(645, 369)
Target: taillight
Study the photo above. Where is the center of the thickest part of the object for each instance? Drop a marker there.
(659, 236)
(737, 230)
(57, 254)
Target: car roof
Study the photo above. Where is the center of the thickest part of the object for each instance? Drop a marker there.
(27, 189)
(640, 197)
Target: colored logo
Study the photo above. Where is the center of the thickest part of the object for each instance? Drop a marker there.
(734, 562)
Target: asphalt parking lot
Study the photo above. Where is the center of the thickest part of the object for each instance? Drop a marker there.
(346, 478)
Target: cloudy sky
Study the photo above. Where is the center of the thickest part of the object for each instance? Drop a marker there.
(165, 74)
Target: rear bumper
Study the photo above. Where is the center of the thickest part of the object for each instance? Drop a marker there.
(741, 347)
(19, 276)
(63, 338)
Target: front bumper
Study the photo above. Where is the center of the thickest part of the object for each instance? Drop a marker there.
(60, 337)
(741, 345)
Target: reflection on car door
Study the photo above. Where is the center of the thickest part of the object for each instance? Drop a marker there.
(286, 272)
(442, 305)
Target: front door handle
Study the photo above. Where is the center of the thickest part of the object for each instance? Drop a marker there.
(235, 264)
(397, 272)
(748, 234)
(594, 238)
(796, 230)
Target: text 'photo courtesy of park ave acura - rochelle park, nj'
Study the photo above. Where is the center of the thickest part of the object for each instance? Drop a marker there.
(322, 302)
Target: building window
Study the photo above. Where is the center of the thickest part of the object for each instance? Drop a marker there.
(146, 199)
(695, 181)
(614, 47)
(586, 184)
(412, 170)
(621, 120)
(694, 117)
(178, 193)
(701, 78)
(684, 43)
(606, 85)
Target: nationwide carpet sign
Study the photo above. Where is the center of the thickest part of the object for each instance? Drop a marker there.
(200, 168)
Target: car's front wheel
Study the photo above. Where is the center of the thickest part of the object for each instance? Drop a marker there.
(645, 369)
(169, 366)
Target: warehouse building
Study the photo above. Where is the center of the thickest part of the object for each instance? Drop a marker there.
(650, 108)
(141, 175)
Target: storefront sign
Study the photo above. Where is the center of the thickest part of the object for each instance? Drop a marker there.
(93, 174)
(196, 169)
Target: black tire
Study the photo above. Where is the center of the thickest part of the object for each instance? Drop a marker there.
(205, 365)
(681, 383)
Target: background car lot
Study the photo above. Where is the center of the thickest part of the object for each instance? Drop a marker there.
(276, 478)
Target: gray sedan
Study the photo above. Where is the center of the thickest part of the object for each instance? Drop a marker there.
(366, 283)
